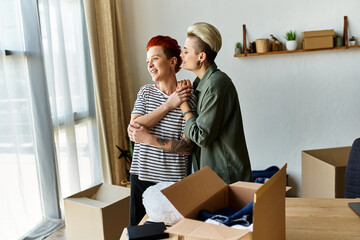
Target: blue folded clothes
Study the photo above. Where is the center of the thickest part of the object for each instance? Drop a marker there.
(229, 216)
(267, 173)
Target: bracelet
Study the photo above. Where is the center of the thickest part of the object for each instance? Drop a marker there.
(186, 112)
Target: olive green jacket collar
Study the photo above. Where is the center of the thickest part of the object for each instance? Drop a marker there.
(199, 84)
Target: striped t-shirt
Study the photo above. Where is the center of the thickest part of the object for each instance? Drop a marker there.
(153, 164)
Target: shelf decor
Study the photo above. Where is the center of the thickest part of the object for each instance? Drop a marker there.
(352, 41)
(291, 42)
(344, 47)
(262, 45)
(319, 39)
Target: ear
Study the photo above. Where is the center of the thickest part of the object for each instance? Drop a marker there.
(173, 61)
(202, 56)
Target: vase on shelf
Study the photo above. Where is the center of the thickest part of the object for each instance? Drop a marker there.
(291, 45)
(238, 51)
(338, 41)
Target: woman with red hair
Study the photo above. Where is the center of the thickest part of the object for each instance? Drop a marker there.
(156, 117)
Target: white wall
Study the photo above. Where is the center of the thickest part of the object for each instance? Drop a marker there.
(289, 102)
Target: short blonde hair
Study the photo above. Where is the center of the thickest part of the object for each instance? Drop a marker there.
(207, 33)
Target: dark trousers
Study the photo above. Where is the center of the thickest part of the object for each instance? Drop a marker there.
(137, 209)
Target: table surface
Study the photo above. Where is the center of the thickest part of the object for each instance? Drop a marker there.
(320, 219)
(317, 219)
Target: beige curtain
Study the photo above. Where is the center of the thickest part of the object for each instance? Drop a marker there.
(111, 83)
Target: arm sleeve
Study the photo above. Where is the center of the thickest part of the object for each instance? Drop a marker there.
(140, 102)
(207, 126)
(192, 103)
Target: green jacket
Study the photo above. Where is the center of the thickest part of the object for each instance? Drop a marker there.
(217, 129)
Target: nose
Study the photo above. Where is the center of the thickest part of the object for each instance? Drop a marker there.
(150, 64)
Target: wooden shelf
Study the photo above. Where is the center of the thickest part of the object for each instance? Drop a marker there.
(345, 43)
(296, 51)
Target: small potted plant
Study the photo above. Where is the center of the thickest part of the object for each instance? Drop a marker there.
(238, 48)
(291, 43)
(352, 41)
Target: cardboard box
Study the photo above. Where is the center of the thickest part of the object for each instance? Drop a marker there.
(318, 39)
(98, 213)
(323, 172)
(206, 190)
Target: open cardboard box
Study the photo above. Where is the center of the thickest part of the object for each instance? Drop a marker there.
(323, 172)
(206, 190)
(98, 213)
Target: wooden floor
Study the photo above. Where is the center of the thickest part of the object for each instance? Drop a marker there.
(60, 234)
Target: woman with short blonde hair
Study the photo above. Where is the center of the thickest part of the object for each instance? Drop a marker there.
(210, 38)
(217, 128)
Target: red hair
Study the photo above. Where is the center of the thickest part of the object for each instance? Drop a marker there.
(170, 47)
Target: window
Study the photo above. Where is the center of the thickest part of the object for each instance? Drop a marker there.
(71, 99)
(20, 198)
(48, 137)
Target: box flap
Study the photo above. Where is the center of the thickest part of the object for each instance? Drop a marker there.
(316, 177)
(111, 193)
(334, 156)
(269, 208)
(318, 33)
(197, 191)
(193, 229)
(241, 193)
(87, 192)
(88, 202)
(250, 185)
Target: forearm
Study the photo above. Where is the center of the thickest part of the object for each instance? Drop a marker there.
(175, 99)
(182, 146)
(149, 120)
(186, 110)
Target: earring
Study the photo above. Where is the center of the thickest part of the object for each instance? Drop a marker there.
(198, 63)
(172, 69)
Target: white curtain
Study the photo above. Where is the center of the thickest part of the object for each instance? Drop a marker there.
(48, 138)
(71, 97)
(20, 198)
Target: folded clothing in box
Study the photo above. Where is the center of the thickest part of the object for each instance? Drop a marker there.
(229, 216)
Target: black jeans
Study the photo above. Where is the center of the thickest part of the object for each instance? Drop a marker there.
(137, 209)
